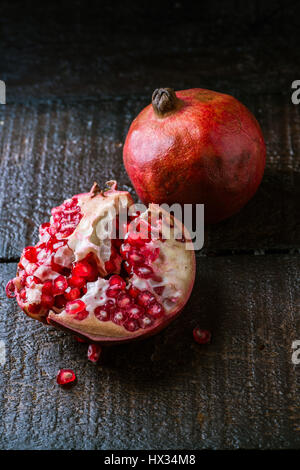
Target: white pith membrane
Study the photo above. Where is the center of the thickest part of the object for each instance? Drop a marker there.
(155, 289)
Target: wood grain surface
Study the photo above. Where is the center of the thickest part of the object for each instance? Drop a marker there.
(75, 80)
(166, 392)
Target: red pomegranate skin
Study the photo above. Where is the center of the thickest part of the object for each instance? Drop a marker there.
(209, 150)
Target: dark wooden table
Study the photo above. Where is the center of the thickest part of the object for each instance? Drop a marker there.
(75, 79)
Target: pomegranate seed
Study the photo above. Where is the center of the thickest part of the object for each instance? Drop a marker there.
(44, 228)
(31, 281)
(86, 270)
(75, 307)
(82, 315)
(124, 250)
(159, 290)
(117, 243)
(30, 254)
(23, 295)
(102, 313)
(133, 291)
(60, 301)
(76, 281)
(145, 321)
(135, 257)
(110, 305)
(136, 311)
(201, 336)
(134, 215)
(80, 340)
(116, 282)
(131, 325)
(10, 289)
(127, 267)
(60, 285)
(84, 290)
(94, 352)
(143, 271)
(119, 317)
(47, 300)
(112, 292)
(123, 300)
(65, 376)
(136, 239)
(145, 298)
(72, 294)
(34, 308)
(110, 267)
(47, 287)
(30, 268)
(155, 310)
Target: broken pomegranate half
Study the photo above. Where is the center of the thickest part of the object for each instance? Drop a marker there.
(101, 278)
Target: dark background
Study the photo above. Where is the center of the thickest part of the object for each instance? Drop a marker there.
(76, 75)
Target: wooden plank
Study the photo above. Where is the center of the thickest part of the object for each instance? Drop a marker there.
(49, 151)
(166, 392)
(69, 50)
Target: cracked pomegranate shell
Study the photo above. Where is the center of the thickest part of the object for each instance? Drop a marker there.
(195, 146)
(101, 279)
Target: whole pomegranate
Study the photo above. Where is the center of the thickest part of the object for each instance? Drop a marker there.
(195, 146)
(103, 279)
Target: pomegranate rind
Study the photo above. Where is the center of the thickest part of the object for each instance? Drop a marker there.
(170, 270)
(180, 254)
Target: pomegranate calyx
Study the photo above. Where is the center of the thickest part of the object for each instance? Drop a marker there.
(95, 190)
(164, 100)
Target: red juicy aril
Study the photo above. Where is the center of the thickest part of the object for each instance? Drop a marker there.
(103, 288)
(195, 146)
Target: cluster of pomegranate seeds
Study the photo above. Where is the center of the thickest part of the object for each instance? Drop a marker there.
(127, 305)
(94, 352)
(201, 336)
(65, 376)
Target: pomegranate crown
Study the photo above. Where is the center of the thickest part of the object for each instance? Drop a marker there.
(164, 100)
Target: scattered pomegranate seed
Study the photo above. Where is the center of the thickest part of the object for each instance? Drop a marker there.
(10, 289)
(30, 254)
(65, 376)
(94, 352)
(80, 340)
(201, 336)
